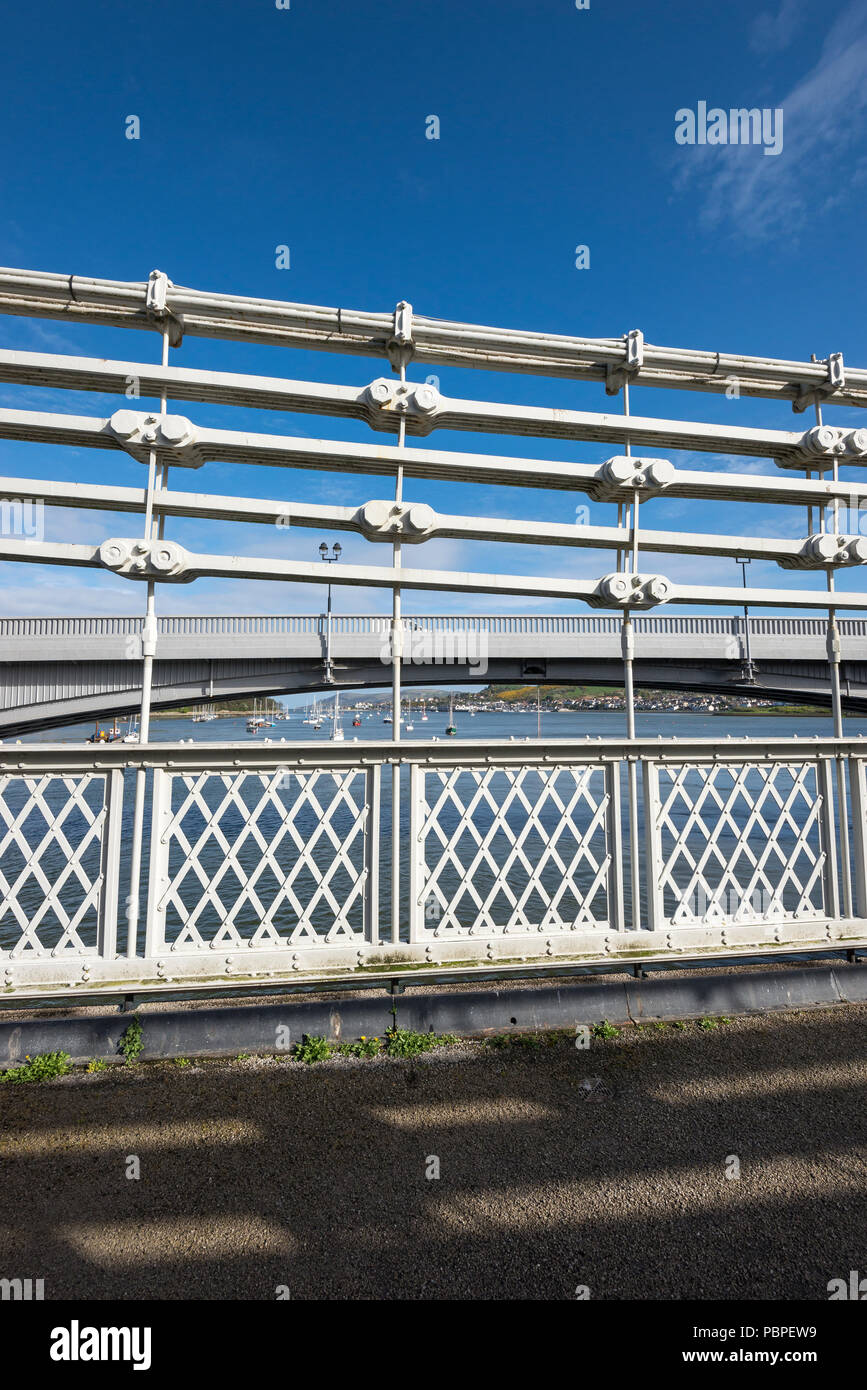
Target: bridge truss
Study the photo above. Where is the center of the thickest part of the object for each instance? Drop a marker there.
(752, 846)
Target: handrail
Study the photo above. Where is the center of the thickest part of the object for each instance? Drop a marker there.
(345, 624)
(202, 313)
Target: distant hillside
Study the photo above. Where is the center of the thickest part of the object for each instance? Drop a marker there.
(244, 706)
(547, 693)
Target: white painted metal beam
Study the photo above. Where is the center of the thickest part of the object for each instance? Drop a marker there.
(192, 445)
(168, 562)
(124, 304)
(384, 404)
(285, 514)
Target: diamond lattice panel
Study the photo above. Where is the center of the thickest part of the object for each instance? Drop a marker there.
(51, 830)
(740, 844)
(266, 858)
(513, 850)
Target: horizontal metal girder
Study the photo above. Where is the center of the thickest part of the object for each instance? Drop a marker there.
(287, 451)
(286, 514)
(271, 393)
(180, 565)
(203, 314)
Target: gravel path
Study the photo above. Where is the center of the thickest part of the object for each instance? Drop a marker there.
(558, 1168)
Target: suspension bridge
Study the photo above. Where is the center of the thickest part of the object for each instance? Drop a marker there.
(157, 868)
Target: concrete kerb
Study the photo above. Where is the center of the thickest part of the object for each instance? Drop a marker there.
(227, 1031)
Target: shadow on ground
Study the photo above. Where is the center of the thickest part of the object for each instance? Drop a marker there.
(559, 1168)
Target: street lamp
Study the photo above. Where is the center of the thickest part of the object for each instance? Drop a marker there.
(749, 671)
(329, 560)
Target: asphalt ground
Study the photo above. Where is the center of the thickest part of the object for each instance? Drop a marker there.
(559, 1169)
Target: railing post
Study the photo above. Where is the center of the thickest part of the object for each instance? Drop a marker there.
(416, 854)
(653, 847)
(158, 875)
(859, 840)
(112, 832)
(372, 852)
(828, 840)
(614, 836)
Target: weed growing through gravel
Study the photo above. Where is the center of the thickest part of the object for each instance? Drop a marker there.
(131, 1042)
(395, 1042)
(528, 1041)
(44, 1067)
(708, 1024)
(182, 1061)
(365, 1047)
(312, 1049)
(97, 1064)
(403, 1042)
(605, 1030)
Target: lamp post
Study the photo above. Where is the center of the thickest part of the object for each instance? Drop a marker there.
(329, 560)
(749, 670)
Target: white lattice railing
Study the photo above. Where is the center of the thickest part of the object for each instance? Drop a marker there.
(737, 844)
(271, 860)
(505, 851)
(60, 837)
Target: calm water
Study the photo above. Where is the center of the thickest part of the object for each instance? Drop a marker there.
(596, 723)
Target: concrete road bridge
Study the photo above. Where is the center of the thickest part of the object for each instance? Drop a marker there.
(56, 671)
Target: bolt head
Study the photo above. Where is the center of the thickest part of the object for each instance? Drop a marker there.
(176, 430)
(823, 547)
(125, 423)
(114, 553)
(376, 515)
(426, 398)
(825, 439)
(166, 557)
(857, 549)
(615, 586)
(420, 517)
(658, 588)
(660, 473)
(620, 469)
(856, 442)
(379, 392)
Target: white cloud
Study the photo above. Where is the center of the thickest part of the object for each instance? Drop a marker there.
(823, 114)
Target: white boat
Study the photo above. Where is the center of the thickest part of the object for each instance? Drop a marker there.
(256, 720)
(336, 727)
(132, 732)
(313, 715)
(451, 727)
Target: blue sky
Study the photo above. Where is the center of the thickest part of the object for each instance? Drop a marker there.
(306, 127)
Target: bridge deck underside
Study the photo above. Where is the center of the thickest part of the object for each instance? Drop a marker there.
(44, 694)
